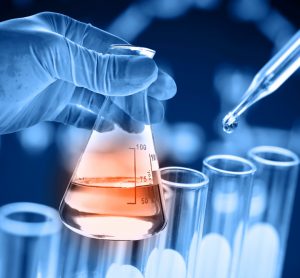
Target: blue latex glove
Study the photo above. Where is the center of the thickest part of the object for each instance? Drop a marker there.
(52, 68)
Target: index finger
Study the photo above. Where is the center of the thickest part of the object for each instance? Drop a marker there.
(80, 33)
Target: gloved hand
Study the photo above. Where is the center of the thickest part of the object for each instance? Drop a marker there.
(53, 68)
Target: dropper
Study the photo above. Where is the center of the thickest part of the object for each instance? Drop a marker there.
(267, 80)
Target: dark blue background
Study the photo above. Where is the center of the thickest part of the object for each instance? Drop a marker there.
(192, 46)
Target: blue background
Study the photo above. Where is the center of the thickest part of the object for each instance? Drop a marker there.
(212, 48)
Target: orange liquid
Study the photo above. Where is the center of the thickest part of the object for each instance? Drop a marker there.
(113, 208)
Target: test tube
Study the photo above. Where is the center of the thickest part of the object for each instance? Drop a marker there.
(271, 206)
(175, 251)
(29, 240)
(226, 215)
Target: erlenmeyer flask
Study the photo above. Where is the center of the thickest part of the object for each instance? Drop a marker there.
(115, 191)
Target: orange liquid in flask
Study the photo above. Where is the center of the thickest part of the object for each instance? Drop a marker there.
(115, 192)
(124, 207)
(113, 208)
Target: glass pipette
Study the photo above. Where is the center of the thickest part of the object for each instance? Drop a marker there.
(267, 80)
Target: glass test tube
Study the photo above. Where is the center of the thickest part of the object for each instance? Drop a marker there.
(271, 206)
(29, 240)
(171, 253)
(230, 186)
(174, 254)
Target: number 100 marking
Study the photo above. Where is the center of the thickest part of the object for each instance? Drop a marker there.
(141, 147)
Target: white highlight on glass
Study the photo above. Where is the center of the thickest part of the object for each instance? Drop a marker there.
(165, 263)
(214, 257)
(261, 245)
(124, 271)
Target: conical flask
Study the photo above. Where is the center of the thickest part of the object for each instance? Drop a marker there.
(115, 191)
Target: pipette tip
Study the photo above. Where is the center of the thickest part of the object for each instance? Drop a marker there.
(229, 123)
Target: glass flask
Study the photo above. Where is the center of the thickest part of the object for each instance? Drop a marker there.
(115, 191)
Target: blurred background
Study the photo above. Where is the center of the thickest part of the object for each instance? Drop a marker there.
(212, 48)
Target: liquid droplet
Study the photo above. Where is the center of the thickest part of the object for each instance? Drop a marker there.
(229, 123)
